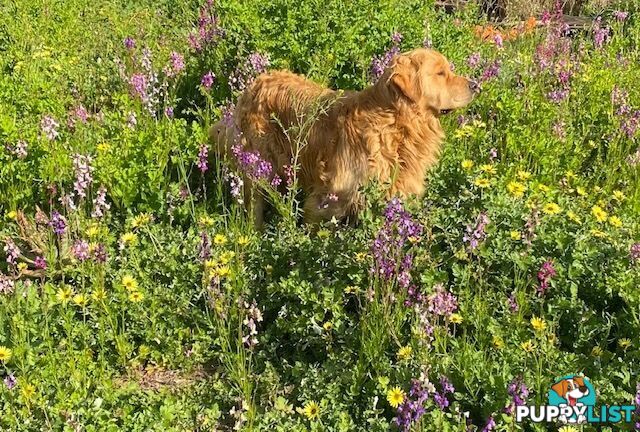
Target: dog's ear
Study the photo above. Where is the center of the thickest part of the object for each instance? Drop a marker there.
(561, 388)
(579, 381)
(404, 77)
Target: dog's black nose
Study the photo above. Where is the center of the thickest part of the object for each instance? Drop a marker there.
(474, 86)
(583, 389)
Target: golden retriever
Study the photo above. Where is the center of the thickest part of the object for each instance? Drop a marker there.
(338, 140)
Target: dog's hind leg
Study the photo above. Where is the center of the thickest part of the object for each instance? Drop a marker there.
(254, 202)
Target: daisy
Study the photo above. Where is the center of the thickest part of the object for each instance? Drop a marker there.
(395, 397)
(311, 410)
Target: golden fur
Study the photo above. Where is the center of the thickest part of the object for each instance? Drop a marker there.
(389, 131)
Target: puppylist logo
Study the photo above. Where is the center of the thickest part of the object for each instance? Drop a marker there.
(572, 399)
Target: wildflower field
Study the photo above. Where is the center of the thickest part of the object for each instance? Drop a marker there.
(135, 294)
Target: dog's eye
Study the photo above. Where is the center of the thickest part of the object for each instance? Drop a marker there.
(441, 73)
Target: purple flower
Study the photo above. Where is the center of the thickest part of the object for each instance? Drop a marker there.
(600, 34)
(129, 43)
(490, 425)
(244, 74)
(207, 80)
(446, 385)
(10, 381)
(83, 169)
(379, 64)
(519, 393)
(99, 253)
(235, 183)
(545, 274)
(634, 253)
(49, 127)
(558, 95)
(138, 83)
(132, 120)
(80, 250)
(6, 284)
(493, 154)
(497, 39)
(203, 158)
(177, 63)
(620, 15)
(474, 60)
(19, 149)
(252, 164)
(412, 409)
(441, 400)
(100, 204)
(40, 263)
(398, 230)
(58, 223)
(208, 31)
(204, 249)
(168, 111)
(513, 303)
(491, 71)
(253, 315)
(441, 302)
(11, 251)
(476, 233)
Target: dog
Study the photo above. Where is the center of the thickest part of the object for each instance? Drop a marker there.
(339, 140)
(571, 389)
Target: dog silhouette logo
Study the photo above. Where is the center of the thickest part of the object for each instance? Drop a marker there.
(572, 391)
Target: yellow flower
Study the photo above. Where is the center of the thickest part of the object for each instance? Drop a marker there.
(624, 343)
(615, 221)
(210, 264)
(598, 234)
(543, 188)
(467, 164)
(222, 272)
(619, 195)
(568, 429)
(141, 220)
(580, 191)
(361, 256)
(456, 318)
(570, 175)
(323, 233)
(597, 351)
(227, 256)
(350, 289)
(516, 189)
(395, 397)
(497, 342)
(404, 353)
(129, 238)
(80, 300)
(93, 231)
(206, 221)
(523, 175)
(103, 147)
(311, 410)
(64, 295)
(129, 283)
(528, 346)
(13, 215)
(22, 266)
(538, 324)
(243, 240)
(488, 169)
(599, 213)
(327, 326)
(99, 294)
(515, 235)
(219, 239)
(573, 217)
(136, 296)
(482, 182)
(5, 354)
(28, 391)
(551, 208)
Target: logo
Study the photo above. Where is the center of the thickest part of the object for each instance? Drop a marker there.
(572, 399)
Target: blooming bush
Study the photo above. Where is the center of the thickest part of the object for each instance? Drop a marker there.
(136, 294)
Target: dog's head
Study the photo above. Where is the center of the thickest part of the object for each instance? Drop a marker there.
(571, 389)
(425, 78)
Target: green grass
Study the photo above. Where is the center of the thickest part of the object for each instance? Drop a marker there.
(170, 312)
